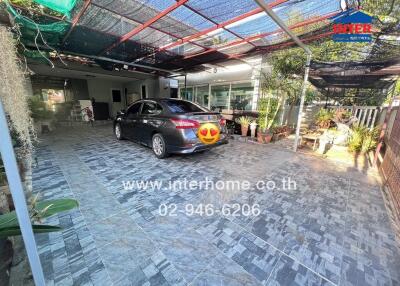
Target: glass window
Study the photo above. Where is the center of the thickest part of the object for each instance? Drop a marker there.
(219, 97)
(242, 96)
(202, 95)
(134, 110)
(187, 93)
(181, 106)
(151, 108)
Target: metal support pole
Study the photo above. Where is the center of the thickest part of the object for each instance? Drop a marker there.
(303, 95)
(186, 93)
(285, 28)
(17, 192)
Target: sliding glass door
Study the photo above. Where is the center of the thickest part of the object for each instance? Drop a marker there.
(220, 97)
(202, 95)
(241, 96)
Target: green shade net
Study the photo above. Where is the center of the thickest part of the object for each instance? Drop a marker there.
(62, 6)
(52, 33)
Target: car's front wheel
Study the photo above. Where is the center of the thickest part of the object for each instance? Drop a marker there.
(159, 147)
(118, 131)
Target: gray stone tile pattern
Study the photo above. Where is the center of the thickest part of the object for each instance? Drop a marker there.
(332, 229)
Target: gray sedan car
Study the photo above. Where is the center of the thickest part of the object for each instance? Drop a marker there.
(170, 126)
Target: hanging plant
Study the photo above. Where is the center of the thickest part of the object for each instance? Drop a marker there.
(14, 92)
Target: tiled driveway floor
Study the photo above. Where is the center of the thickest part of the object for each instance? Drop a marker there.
(332, 230)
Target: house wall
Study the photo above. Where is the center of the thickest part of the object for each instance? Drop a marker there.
(156, 88)
(79, 89)
(100, 90)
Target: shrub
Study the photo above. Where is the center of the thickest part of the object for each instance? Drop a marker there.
(362, 139)
(370, 140)
(324, 118)
(38, 109)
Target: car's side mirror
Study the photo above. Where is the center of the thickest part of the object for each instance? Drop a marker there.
(121, 112)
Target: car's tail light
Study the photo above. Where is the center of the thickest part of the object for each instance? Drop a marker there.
(222, 122)
(185, 123)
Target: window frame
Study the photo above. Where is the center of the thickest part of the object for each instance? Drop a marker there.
(151, 114)
(130, 107)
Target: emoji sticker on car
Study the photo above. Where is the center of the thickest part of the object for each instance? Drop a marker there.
(208, 133)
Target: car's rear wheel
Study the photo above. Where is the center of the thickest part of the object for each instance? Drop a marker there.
(118, 131)
(159, 147)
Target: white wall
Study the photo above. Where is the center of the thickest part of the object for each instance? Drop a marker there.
(157, 88)
(100, 89)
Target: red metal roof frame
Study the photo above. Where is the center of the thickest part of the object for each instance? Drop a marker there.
(218, 26)
(283, 45)
(141, 23)
(251, 38)
(215, 23)
(189, 39)
(136, 30)
(76, 20)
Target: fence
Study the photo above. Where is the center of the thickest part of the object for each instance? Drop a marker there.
(367, 116)
(390, 166)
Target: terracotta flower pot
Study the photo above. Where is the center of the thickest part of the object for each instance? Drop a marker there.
(267, 137)
(260, 137)
(245, 129)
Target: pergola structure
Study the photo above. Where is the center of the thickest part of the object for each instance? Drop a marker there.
(333, 78)
(174, 35)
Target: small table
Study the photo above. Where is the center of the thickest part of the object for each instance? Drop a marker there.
(310, 137)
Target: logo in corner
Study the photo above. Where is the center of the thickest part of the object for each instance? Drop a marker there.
(352, 26)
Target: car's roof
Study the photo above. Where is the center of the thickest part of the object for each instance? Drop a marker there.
(161, 99)
(156, 100)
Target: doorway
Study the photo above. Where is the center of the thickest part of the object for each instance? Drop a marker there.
(144, 92)
(116, 101)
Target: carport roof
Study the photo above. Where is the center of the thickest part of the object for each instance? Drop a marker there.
(176, 35)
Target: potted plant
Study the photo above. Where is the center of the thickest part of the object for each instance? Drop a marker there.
(342, 116)
(280, 132)
(244, 122)
(267, 111)
(40, 114)
(324, 118)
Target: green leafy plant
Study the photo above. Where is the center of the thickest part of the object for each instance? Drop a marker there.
(244, 120)
(9, 225)
(356, 138)
(362, 139)
(370, 140)
(38, 109)
(324, 118)
(267, 110)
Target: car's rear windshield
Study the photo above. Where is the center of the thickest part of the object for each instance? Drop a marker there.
(181, 106)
